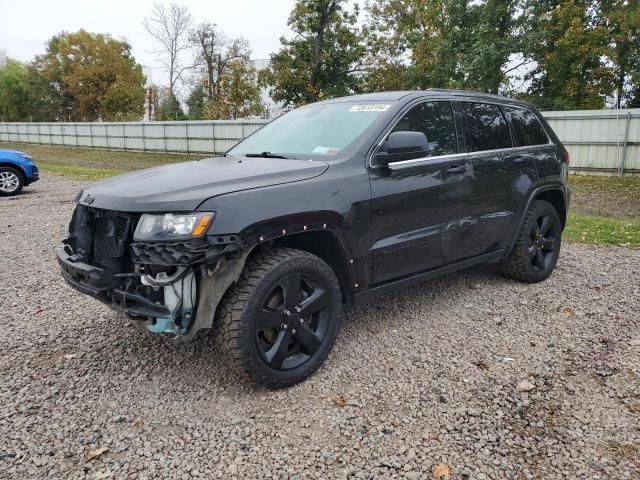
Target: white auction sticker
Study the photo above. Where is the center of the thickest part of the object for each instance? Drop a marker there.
(376, 107)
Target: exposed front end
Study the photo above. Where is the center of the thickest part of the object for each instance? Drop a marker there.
(154, 281)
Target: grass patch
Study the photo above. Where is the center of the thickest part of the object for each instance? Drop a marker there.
(600, 183)
(90, 164)
(600, 196)
(80, 173)
(624, 232)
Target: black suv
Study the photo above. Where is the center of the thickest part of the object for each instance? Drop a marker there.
(320, 209)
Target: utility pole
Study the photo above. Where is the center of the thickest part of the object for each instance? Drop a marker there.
(150, 112)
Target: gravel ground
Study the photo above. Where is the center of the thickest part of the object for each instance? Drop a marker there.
(472, 375)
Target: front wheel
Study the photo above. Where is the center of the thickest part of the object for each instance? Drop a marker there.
(11, 181)
(537, 248)
(280, 320)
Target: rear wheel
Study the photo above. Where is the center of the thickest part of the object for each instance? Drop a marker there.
(537, 248)
(11, 181)
(279, 322)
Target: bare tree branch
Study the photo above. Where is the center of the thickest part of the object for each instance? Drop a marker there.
(215, 53)
(169, 26)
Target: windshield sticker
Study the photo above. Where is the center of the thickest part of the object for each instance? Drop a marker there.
(370, 108)
(325, 150)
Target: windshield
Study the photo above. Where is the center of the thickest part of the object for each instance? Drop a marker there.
(313, 130)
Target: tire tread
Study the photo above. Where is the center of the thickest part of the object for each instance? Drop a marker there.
(516, 266)
(230, 321)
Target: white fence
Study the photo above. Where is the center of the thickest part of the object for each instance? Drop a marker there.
(599, 141)
(210, 136)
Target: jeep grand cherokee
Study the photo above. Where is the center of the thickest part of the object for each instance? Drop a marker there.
(318, 210)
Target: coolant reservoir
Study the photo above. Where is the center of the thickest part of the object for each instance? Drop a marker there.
(179, 298)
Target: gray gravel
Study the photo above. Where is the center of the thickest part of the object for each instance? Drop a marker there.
(491, 378)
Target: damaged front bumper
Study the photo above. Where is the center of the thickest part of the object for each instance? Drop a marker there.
(172, 287)
(99, 283)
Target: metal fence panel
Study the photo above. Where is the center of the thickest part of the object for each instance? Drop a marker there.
(599, 141)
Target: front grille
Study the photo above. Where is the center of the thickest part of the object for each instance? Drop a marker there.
(108, 232)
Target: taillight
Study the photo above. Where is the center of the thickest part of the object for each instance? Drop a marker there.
(565, 156)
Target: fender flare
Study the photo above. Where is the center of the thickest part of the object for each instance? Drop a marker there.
(532, 196)
(274, 231)
(215, 282)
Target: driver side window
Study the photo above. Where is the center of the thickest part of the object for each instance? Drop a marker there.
(435, 120)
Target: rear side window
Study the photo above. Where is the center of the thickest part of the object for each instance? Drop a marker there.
(526, 127)
(435, 120)
(485, 127)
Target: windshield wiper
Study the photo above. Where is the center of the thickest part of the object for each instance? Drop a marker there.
(265, 155)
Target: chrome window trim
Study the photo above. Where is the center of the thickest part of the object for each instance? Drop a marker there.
(453, 156)
(459, 154)
(449, 156)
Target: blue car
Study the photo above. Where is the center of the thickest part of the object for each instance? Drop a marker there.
(17, 170)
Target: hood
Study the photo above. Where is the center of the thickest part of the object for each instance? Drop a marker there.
(181, 187)
(12, 152)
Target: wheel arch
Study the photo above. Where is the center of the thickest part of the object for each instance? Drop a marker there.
(555, 196)
(16, 167)
(326, 245)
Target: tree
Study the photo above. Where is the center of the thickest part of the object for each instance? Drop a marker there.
(621, 18)
(238, 93)
(217, 55)
(568, 44)
(419, 32)
(168, 107)
(495, 38)
(84, 76)
(169, 26)
(14, 91)
(195, 103)
(443, 43)
(322, 59)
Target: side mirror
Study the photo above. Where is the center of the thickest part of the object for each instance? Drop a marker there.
(402, 146)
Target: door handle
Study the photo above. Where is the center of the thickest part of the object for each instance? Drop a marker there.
(454, 170)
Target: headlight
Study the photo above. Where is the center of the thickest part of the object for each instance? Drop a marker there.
(172, 226)
(26, 156)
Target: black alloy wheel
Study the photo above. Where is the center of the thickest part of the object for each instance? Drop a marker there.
(537, 247)
(278, 323)
(543, 238)
(293, 321)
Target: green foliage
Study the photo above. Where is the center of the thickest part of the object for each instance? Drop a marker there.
(195, 103)
(602, 231)
(568, 43)
(621, 19)
(229, 82)
(238, 93)
(168, 106)
(14, 91)
(322, 59)
(85, 76)
(447, 43)
(559, 54)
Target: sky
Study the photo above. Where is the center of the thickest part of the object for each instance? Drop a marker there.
(26, 25)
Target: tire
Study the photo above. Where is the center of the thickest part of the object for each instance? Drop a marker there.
(259, 327)
(11, 181)
(537, 248)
